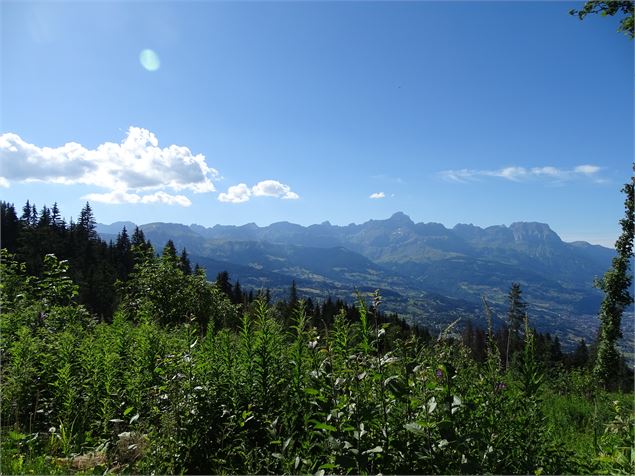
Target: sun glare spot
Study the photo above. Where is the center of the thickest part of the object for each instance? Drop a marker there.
(149, 60)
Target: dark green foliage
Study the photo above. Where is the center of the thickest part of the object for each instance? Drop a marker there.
(93, 265)
(10, 226)
(160, 287)
(222, 283)
(610, 8)
(183, 381)
(184, 262)
(616, 285)
(517, 310)
(515, 317)
(124, 257)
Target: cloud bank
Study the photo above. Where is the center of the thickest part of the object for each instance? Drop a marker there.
(135, 171)
(377, 195)
(127, 169)
(518, 174)
(267, 188)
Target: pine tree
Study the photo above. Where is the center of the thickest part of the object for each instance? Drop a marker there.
(86, 222)
(555, 354)
(223, 283)
(9, 227)
(237, 293)
(616, 285)
(124, 255)
(34, 216)
(515, 318)
(56, 219)
(45, 218)
(26, 213)
(141, 249)
(184, 262)
(293, 295)
(580, 357)
(138, 238)
(169, 253)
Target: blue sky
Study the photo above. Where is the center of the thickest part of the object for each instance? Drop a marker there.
(484, 113)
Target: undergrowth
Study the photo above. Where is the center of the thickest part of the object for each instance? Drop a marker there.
(203, 391)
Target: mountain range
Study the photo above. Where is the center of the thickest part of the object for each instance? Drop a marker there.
(426, 272)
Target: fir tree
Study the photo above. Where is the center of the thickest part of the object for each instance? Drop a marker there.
(515, 318)
(580, 357)
(169, 253)
(184, 262)
(86, 222)
(124, 255)
(56, 219)
(9, 227)
(616, 285)
(34, 216)
(45, 218)
(237, 293)
(223, 283)
(26, 214)
(141, 249)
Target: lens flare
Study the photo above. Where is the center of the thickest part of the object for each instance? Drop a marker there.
(149, 60)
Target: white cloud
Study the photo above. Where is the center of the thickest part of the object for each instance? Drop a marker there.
(510, 173)
(377, 195)
(267, 188)
(134, 171)
(135, 165)
(587, 169)
(273, 188)
(549, 171)
(162, 197)
(518, 174)
(115, 197)
(120, 196)
(236, 194)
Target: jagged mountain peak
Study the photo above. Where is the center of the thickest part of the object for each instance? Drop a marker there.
(399, 219)
(533, 231)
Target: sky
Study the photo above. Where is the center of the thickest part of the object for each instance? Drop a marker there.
(211, 112)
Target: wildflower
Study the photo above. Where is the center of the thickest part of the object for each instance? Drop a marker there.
(500, 386)
(439, 373)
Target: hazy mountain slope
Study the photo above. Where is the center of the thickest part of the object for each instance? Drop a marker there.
(427, 272)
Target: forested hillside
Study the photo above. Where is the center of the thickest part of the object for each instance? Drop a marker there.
(428, 273)
(116, 358)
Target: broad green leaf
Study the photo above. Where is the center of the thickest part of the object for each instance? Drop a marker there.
(324, 426)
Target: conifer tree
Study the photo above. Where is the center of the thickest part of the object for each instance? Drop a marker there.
(515, 318)
(223, 283)
(56, 219)
(86, 222)
(293, 295)
(45, 218)
(34, 216)
(580, 356)
(169, 253)
(237, 293)
(26, 213)
(184, 262)
(517, 307)
(616, 285)
(9, 227)
(124, 255)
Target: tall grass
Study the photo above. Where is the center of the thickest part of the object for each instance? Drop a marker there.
(254, 397)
